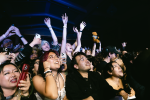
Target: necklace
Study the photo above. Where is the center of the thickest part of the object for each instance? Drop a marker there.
(58, 86)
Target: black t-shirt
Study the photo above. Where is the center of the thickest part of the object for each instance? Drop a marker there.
(77, 88)
(101, 66)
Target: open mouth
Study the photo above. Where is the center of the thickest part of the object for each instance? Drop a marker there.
(14, 80)
(56, 62)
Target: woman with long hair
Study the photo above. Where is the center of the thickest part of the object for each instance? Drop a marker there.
(50, 82)
(9, 76)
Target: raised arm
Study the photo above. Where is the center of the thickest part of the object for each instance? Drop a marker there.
(78, 40)
(63, 45)
(82, 26)
(47, 21)
(99, 47)
(16, 30)
(47, 87)
(93, 50)
(7, 34)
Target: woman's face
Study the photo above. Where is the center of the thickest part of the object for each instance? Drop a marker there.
(9, 76)
(88, 52)
(117, 70)
(36, 65)
(54, 61)
(68, 47)
(45, 47)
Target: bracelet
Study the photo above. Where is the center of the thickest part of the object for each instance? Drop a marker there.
(49, 27)
(49, 75)
(48, 71)
(21, 36)
(4, 36)
(46, 68)
(64, 26)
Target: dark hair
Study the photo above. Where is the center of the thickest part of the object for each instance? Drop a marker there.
(73, 61)
(105, 52)
(7, 62)
(44, 58)
(97, 59)
(107, 68)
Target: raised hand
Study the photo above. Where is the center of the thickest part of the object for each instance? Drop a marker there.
(16, 30)
(75, 30)
(35, 41)
(46, 65)
(82, 25)
(24, 86)
(65, 19)
(9, 32)
(47, 21)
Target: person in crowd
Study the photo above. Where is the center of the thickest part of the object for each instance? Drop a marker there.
(138, 77)
(45, 45)
(71, 49)
(36, 66)
(50, 76)
(113, 72)
(26, 52)
(108, 54)
(9, 75)
(83, 84)
(7, 43)
(50, 80)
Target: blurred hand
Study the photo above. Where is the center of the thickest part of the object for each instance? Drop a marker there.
(35, 41)
(75, 30)
(132, 93)
(82, 25)
(124, 44)
(47, 21)
(3, 57)
(25, 85)
(9, 31)
(12, 57)
(16, 30)
(46, 64)
(65, 19)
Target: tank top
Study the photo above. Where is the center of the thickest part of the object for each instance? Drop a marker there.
(62, 93)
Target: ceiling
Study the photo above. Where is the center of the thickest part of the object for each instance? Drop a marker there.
(115, 21)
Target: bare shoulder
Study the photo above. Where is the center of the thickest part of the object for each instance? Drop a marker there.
(38, 79)
(108, 80)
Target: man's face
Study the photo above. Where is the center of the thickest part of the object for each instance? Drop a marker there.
(83, 64)
(45, 47)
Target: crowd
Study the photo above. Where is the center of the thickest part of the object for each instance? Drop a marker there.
(70, 72)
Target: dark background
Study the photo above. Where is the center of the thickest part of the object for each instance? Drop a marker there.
(115, 21)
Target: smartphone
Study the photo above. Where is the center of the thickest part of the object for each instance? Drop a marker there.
(63, 56)
(7, 50)
(37, 35)
(127, 88)
(24, 73)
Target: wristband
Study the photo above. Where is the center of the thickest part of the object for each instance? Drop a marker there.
(49, 75)
(64, 26)
(49, 27)
(4, 36)
(48, 71)
(21, 36)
